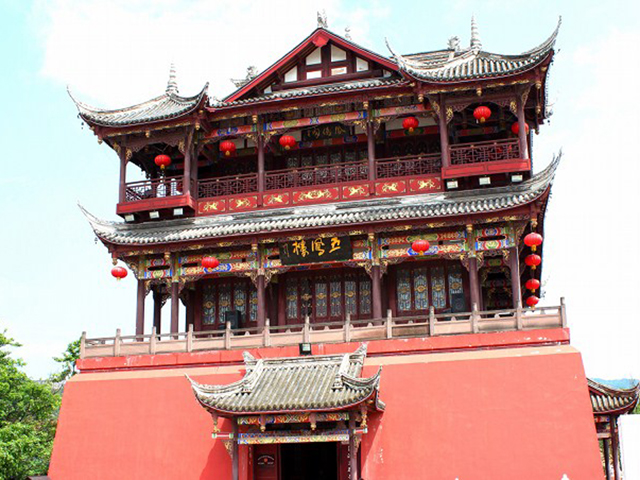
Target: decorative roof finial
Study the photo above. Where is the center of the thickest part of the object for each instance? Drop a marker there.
(347, 33)
(172, 85)
(322, 20)
(454, 44)
(476, 43)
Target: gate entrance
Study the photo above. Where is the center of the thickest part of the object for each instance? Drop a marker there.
(309, 461)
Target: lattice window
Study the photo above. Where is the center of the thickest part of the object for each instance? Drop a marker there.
(226, 295)
(336, 297)
(292, 298)
(420, 286)
(209, 303)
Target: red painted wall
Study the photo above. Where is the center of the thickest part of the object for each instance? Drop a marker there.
(474, 414)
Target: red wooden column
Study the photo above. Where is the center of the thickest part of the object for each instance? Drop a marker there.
(353, 449)
(262, 304)
(140, 308)
(371, 152)
(175, 305)
(444, 134)
(190, 308)
(514, 266)
(235, 460)
(282, 299)
(186, 178)
(261, 180)
(522, 133)
(157, 310)
(123, 175)
(615, 446)
(474, 282)
(376, 291)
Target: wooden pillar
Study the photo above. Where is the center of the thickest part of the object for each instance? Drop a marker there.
(175, 304)
(474, 283)
(522, 133)
(157, 310)
(123, 175)
(607, 458)
(261, 180)
(371, 151)
(190, 308)
(262, 306)
(444, 134)
(186, 177)
(353, 450)
(235, 457)
(282, 299)
(140, 309)
(615, 447)
(376, 291)
(514, 265)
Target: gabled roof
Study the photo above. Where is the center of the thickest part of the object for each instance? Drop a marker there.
(318, 37)
(473, 63)
(606, 399)
(376, 210)
(294, 384)
(167, 106)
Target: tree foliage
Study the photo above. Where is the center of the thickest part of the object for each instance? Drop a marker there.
(68, 362)
(28, 415)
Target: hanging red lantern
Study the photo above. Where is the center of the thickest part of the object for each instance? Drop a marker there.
(532, 284)
(532, 301)
(410, 124)
(227, 147)
(119, 272)
(162, 161)
(515, 128)
(420, 246)
(532, 260)
(482, 113)
(533, 240)
(287, 142)
(210, 262)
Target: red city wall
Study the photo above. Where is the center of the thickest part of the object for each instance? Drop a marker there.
(472, 414)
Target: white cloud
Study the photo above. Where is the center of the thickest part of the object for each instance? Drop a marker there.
(117, 53)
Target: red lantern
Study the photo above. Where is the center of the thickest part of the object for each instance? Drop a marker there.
(227, 147)
(420, 246)
(210, 262)
(532, 284)
(481, 113)
(515, 128)
(532, 301)
(287, 142)
(162, 161)
(532, 260)
(410, 124)
(119, 272)
(533, 240)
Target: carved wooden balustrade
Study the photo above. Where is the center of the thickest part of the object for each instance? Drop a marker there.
(155, 188)
(409, 165)
(491, 151)
(219, 187)
(316, 175)
(430, 325)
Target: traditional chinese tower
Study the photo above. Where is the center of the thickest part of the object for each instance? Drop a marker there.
(356, 240)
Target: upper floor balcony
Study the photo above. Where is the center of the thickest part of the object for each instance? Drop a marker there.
(497, 162)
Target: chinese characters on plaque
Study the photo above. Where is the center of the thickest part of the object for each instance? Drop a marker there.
(314, 250)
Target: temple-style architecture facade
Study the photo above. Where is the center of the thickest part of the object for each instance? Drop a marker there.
(367, 230)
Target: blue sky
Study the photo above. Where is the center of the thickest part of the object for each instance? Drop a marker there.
(55, 279)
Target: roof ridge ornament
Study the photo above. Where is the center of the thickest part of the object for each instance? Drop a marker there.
(172, 84)
(322, 19)
(347, 32)
(476, 43)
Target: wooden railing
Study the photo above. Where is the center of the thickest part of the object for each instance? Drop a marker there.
(407, 166)
(316, 175)
(219, 187)
(430, 325)
(492, 151)
(155, 188)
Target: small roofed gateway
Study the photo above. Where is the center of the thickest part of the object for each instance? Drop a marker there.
(296, 400)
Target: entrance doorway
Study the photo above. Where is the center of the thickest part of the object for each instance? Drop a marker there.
(309, 461)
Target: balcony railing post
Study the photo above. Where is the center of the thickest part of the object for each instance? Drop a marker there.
(519, 324)
(83, 344)
(563, 313)
(474, 318)
(116, 343)
(347, 328)
(389, 324)
(190, 338)
(266, 333)
(432, 321)
(227, 336)
(154, 339)
(306, 330)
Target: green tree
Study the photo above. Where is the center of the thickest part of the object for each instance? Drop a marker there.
(28, 414)
(68, 362)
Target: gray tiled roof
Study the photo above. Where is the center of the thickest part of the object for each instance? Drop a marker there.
(472, 63)
(423, 206)
(167, 106)
(294, 384)
(606, 399)
(315, 90)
